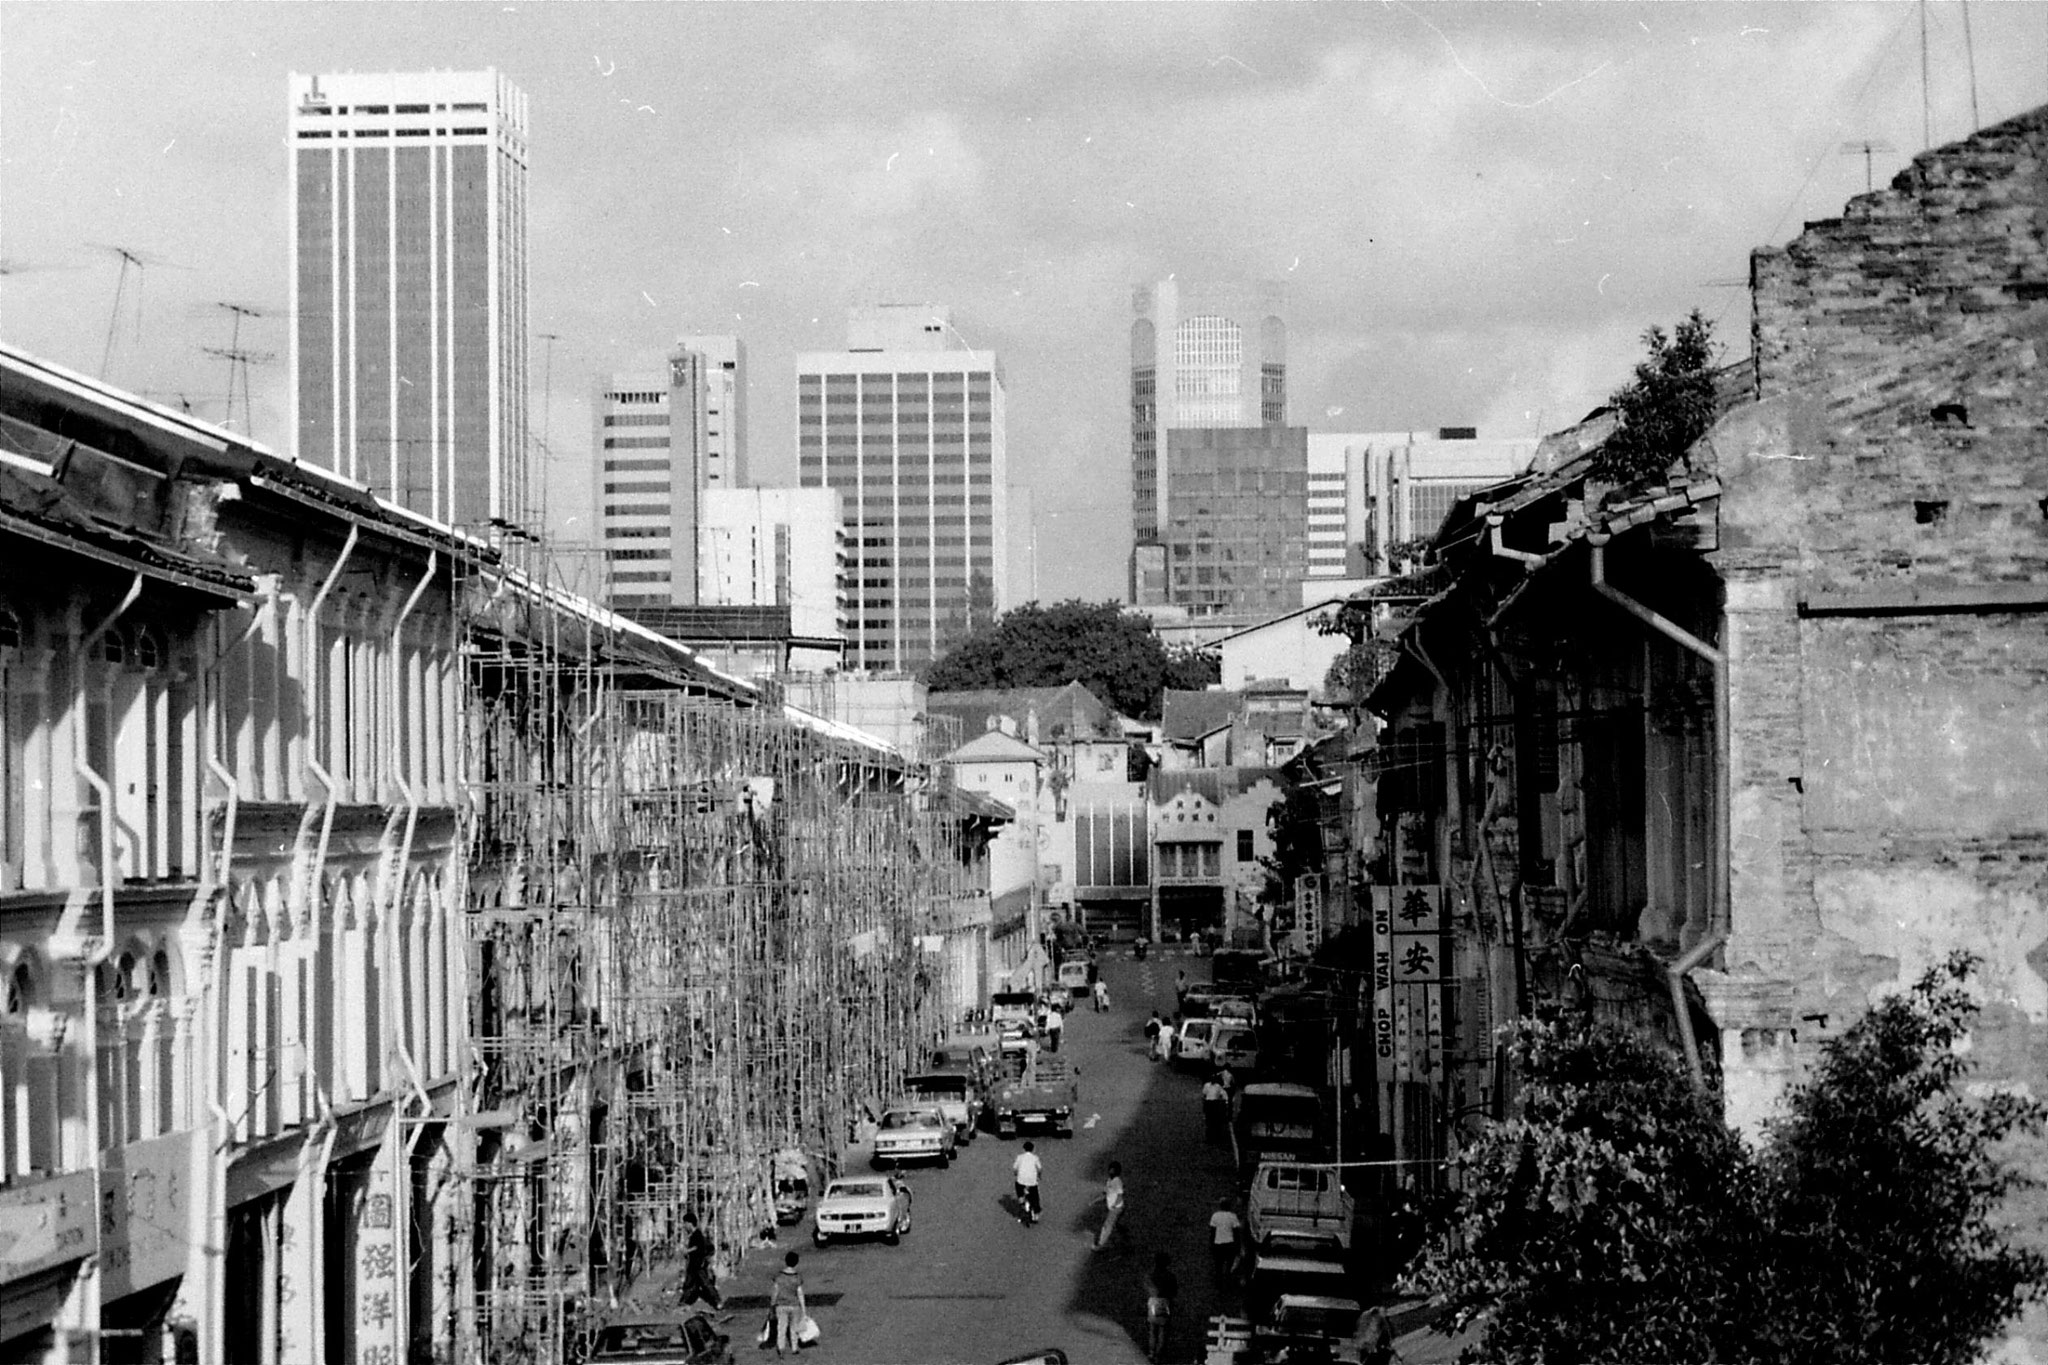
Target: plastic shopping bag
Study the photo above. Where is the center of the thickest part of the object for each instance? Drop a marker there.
(807, 1333)
(767, 1337)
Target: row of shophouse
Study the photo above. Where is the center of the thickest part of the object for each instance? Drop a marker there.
(1729, 755)
(395, 946)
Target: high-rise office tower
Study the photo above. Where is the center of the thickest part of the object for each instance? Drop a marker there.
(1218, 478)
(659, 442)
(408, 288)
(907, 423)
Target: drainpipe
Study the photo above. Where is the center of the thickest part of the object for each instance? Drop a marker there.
(1717, 898)
(313, 764)
(412, 815)
(1534, 561)
(103, 948)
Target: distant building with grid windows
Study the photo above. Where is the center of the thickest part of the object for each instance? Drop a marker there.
(659, 442)
(1368, 491)
(1209, 358)
(907, 423)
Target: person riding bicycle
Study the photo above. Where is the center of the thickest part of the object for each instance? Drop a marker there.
(1025, 1170)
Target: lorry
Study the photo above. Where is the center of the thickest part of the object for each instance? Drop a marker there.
(1300, 1203)
(1276, 1121)
(1042, 1098)
(955, 1091)
(1077, 974)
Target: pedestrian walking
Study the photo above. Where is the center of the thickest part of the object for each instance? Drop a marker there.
(1026, 1170)
(1226, 1229)
(1162, 1045)
(1101, 996)
(1162, 1287)
(1055, 1021)
(698, 1280)
(1113, 1198)
(1152, 1027)
(787, 1299)
(1226, 1078)
(1215, 1109)
(1180, 989)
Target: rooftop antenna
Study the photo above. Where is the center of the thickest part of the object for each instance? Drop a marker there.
(547, 411)
(239, 360)
(1970, 52)
(140, 260)
(1926, 105)
(1865, 148)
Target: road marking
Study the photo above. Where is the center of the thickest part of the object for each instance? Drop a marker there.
(1091, 1120)
(989, 1297)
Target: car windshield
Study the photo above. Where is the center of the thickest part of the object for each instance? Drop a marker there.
(911, 1118)
(1232, 1037)
(938, 1085)
(1320, 1319)
(1197, 1028)
(856, 1189)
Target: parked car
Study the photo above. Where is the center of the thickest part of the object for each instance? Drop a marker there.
(914, 1130)
(1057, 997)
(1234, 1007)
(1194, 1002)
(956, 1095)
(1307, 1203)
(863, 1206)
(1012, 1007)
(663, 1341)
(1234, 1047)
(1191, 1044)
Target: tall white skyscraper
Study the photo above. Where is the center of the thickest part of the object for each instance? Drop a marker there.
(907, 423)
(408, 288)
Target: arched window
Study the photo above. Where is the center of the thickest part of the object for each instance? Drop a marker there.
(148, 651)
(159, 975)
(124, 977)
(10, 629)
(113, 648)
(21, 990)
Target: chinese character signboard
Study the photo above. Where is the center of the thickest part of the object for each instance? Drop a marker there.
(1409, 970)
(1308, 910)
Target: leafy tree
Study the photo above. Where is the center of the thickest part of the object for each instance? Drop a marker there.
(1887, 1178)
(1667, 406)
(1618, 1219)
(1596, 1225)
(1113, 653)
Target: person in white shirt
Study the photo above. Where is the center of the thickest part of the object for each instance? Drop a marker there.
(1225, 1230)
(1054, 1022)
(1101, 995)
(1113, 1196)
(1216, 1108)
(1025, 1170)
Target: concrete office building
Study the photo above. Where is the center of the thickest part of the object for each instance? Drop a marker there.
(661, 441)
(408, 288)
(1203, 357)
(907, 423)
(780, 547)
(1371, 490)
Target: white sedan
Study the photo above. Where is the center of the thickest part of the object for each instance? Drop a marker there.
(914, 1132)
(863, 1206)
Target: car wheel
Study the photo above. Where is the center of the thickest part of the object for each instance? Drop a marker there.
(894, 1235)
(819, 1239)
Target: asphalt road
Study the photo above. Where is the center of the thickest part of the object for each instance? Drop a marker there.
(971, 1285)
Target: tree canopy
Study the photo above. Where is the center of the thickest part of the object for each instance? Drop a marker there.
(1619, 1219)
(1664, 408)
(1113, 653)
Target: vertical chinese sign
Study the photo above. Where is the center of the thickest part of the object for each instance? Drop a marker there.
(1408, 965)
(379, 1305)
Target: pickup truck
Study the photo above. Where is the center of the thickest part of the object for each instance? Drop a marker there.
(1043, 1097)
(1300, 1203)
(1013, 1007)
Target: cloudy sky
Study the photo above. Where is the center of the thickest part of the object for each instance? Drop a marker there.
(1477, 209)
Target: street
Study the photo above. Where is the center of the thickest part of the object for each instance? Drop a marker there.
(970, 1285)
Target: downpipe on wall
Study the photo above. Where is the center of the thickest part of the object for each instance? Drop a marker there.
(103, 947)
(313, 763)
(1717, 933)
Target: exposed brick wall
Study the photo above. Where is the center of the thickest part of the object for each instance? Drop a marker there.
(1958, 237)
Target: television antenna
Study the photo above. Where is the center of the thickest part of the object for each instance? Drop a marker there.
(10, 265)
(139, 261)
(239, 360)
(1865, 148)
